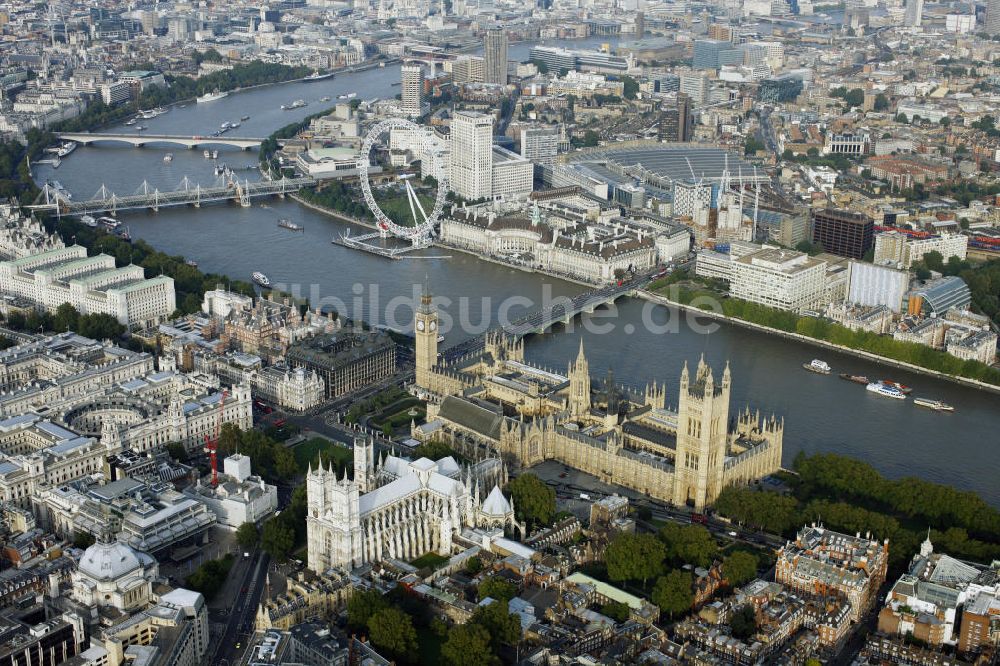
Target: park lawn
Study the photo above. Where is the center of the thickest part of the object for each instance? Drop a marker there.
(397, 208)
(307, 450)
(402, 417)
(430, 560)
(766, 557)
(397, 414)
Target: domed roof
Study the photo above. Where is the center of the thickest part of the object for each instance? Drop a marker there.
(496, 504)
(109, 561)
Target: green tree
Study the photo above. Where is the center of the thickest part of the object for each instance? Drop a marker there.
(434, 450)
(630, 87)
(247, 536)
(689, 544)
(743, 623)
(177, 451)
(542, 67)
(67, 318)
(391, 630)
(739, 567)
(362, 605)
(591, 139)
(534, 501)
(672, 593)
(751, 145)
(634, 557)
(934, 261)
(473, 565)
(99, 327)
(881, 102)
(855, 97)
(210, 577)
(769, 511)
(277, 539)
(616, 610)
(468, 645)
(503, 627)
(497, 588)
(809, 247)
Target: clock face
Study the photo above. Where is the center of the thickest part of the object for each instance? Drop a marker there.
(434, 325)
(420, 325)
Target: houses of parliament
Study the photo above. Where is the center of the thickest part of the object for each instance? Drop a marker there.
(493, 399)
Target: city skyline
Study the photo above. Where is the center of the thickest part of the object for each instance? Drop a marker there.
(491, 333)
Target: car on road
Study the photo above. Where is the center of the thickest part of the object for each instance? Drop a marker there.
(732, 534)
(238, 645)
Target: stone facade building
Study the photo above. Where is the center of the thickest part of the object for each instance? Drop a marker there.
(395, 508)
(495, 400)
(346, 360)
(584, 250)
(823, 562)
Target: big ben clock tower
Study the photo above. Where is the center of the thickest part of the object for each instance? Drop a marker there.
(425, 330)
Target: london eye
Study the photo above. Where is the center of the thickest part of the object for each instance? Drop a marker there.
(422, 221)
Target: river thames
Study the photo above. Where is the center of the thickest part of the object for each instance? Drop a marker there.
(822, 413)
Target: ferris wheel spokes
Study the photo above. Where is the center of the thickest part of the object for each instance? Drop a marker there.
(415, 200)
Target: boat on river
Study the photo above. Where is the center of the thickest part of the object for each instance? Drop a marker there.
(857, 379)
(817, 366)
(886, 391)
(318, 76)
(285, 223)
(211, 97)
(936, 405)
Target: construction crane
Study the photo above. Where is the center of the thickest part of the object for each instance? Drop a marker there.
(212, 443)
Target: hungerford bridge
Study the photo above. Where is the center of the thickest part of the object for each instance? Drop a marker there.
(139, 140)
(187, 194)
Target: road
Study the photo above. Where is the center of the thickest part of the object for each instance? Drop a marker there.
(569, 488)
(240, 621)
